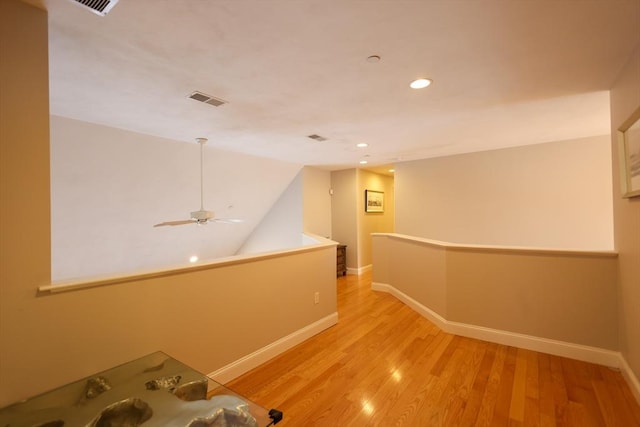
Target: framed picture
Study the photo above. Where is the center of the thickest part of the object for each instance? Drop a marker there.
(373, 201)
(629, 148)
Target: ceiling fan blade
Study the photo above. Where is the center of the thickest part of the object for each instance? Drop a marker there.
(185, 221)
(227, 220)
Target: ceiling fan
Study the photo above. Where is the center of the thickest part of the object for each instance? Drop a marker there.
(201, 216)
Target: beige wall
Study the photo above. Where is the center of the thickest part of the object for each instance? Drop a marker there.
(24, 186)
(373, 222)
(625, 99)
(565, 297)
(557, 295)
(344, 216)
(414, 268)
(316, 201)
(206, 318)
(554, 195)
(350, 223)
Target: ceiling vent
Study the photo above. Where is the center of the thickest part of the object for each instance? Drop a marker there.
(99, 7)
(207, 99)
(317, 137)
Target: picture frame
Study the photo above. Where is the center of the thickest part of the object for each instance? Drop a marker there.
(373, 201)
(629, 153)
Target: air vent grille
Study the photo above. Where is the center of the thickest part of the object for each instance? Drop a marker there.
(100, 7)
(317, 137)
(207, 99)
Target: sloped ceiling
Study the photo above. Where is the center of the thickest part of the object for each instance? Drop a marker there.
(505, 73)
(110, 186)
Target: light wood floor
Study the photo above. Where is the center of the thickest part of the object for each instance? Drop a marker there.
(383, 364)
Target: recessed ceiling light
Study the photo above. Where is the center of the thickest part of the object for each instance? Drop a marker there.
(362, 145)
(392, 170)
(193, 259)
(420, 83)
(363, 162)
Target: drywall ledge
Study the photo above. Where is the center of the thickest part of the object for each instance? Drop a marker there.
(86, 283)
(498, 249)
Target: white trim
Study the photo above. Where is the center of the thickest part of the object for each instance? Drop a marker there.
(425, 312)
(264, 354)
(631, 378)
(544, 345)
(603, 253)
(359, 270)
(585, 353)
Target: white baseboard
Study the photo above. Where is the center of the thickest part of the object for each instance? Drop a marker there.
(585, 353)
(264, 354)
(425, 312)
(559, 348)
(630, 377)
(360, 270)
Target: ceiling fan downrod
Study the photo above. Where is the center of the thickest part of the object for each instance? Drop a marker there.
(201, 141)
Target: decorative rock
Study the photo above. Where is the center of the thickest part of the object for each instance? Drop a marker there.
(127, 413)
(163, 382)
(94, 388)
(195, 390)
(230, 412)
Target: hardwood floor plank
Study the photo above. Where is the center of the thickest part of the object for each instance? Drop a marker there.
(489, 400)
(546, 402)
(474, 402)
(385, 365)
(532, 392)
(461, 384)
(430, 412)
(623, 389)
(560, 396)
(578, 376)
(413, 378)
(518, 389)
(618, 391)
(608, 394)
(503, 400)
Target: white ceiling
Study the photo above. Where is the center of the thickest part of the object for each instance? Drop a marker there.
(505, 73)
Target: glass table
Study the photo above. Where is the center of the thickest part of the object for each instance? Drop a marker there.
(155, 390)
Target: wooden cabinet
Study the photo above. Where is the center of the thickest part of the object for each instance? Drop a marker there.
(341, 262)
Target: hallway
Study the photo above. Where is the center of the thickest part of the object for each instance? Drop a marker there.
(383, 364)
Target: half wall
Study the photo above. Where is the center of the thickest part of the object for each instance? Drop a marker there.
(556, 301)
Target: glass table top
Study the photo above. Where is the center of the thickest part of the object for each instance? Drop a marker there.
(155, 390)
